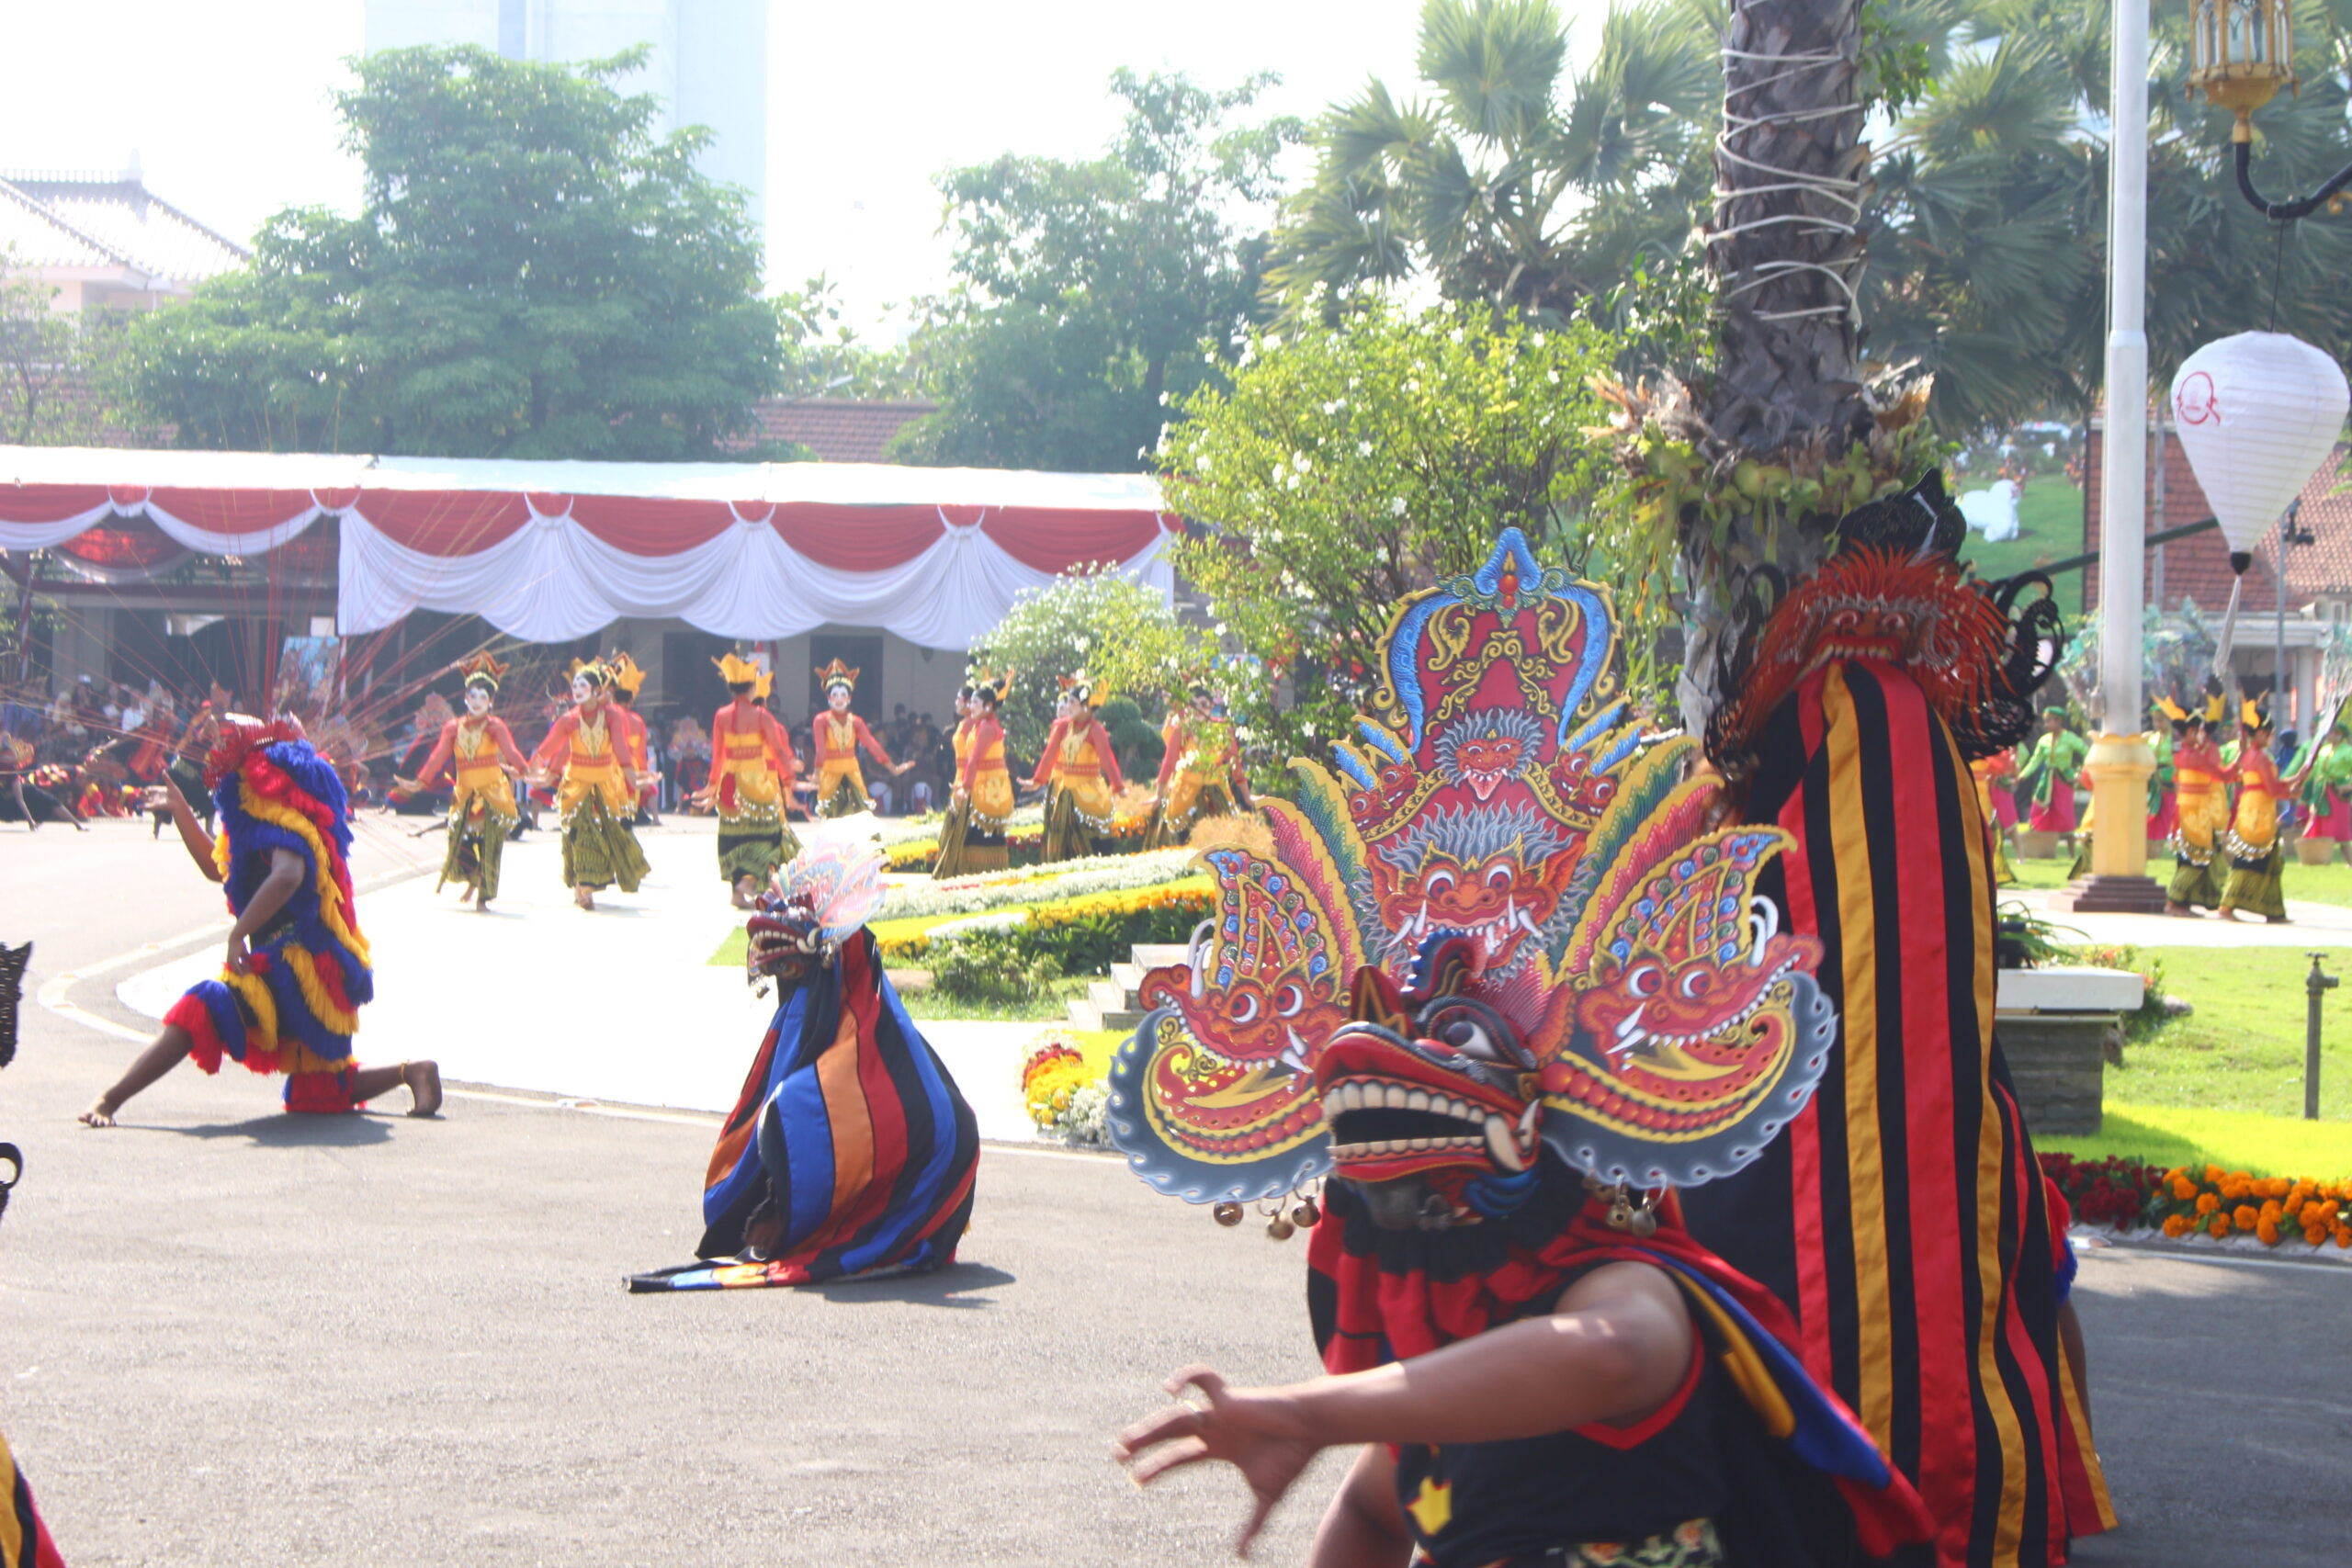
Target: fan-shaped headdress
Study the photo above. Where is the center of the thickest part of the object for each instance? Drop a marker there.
(761, 684)
(483, 669)
(626, 675)
(736, 670)
(595, 672)
(838, 674)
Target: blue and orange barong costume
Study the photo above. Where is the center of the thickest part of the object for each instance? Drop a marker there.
(850, 1151)
(295, 1008)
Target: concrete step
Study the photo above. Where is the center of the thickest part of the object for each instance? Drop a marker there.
(1129, 976)
(1156, 955)
(1084, 1015)
(1108, 996)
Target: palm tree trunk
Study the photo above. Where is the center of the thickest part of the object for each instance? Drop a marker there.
(1785, 257)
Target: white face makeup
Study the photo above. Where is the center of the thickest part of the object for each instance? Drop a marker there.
(838, 699)
(476, 700)
(581, 689)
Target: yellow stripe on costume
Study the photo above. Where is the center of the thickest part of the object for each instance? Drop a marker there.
(1746, 1368)
(2082, 1425)
(12, 1529)
(314, 991)
(331, 907)
(2009, 1529)
(1865, 1160)
(254, 992)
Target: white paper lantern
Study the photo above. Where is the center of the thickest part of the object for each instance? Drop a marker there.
(2258, 414)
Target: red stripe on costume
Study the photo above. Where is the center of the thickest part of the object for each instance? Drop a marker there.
(743, 1122)
(1947, 1463)
(2034, 1369)
(1625, 1437)
(190, 1014)
(1805, 1133)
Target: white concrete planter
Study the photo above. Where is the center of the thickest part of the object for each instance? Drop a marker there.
(2068, 990)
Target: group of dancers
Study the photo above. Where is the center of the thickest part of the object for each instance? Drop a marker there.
(2222, 801)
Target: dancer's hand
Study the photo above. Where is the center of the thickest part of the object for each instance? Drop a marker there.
(239, 955)
(1259, 1432)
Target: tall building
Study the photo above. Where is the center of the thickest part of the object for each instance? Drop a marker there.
(709, 63)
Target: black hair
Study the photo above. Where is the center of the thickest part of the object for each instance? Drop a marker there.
(987, 695)
(742, 688)
(966, 693)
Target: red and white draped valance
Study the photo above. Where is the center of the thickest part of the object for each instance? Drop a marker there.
(552, 552)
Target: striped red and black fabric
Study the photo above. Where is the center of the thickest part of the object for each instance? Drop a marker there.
(1902, 1216)
(24, 1539)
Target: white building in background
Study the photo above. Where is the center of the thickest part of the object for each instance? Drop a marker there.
(709, 63)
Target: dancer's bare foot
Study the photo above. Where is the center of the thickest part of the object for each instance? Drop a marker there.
(744, 893)
(581, 897)
(423, 1080)
(101, 1113)
(2182, 911)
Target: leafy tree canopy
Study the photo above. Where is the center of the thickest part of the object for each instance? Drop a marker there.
(1087, 294)
(533, 273)
(1353, 463)
(1124, 637)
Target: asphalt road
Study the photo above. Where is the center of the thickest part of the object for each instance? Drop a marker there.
(232, 1336)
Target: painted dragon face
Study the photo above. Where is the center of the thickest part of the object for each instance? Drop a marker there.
(1483, 749)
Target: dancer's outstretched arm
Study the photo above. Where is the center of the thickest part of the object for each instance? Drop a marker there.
(192, 834)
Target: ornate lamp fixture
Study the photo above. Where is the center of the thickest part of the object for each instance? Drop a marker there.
(2241, 53)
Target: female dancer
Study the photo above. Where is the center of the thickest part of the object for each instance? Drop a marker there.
(298, 971)
(983, 794)
(839, 733)
(2201, 804)
(949, 860)
(481, 802)
(627, 680)
(595, 791)
(1200, 772)
(2257, 875)
(1992, 774)
(1080, 775)
(2327, 789)
(752, 770)
(21, 800)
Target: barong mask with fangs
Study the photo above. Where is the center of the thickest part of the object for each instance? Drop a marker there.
(823, 894)
(1501, 926)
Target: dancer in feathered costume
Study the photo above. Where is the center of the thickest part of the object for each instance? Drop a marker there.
(752, 771)
(24, 1539)
(840, 735)
(596, 790)
(1080, 774)
(1902, 1216)
(627, 680)
(298, 968)
(2327, 786)
(849, 1150)
(1511, 980)
(481, 800)
(1200, 770)
(972, 838)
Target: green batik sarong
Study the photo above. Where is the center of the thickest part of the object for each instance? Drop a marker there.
(951, 859)
(749, 846)
(847, 799)
(2257, 885)
(476, 848)
(599, 850)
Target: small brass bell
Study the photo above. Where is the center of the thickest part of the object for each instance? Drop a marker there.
(1280, 1229)
(1305, 1215)
(1226, 1214)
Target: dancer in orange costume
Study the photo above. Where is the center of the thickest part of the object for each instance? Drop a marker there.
(627, 680)
(596, 790)
(1080, 775)
(840, 735)
(752, 774)
(2258, 869)
(972, 840)
(482, 801)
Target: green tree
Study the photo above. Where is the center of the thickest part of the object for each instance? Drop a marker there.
(1089, 294)
(1350, 464)
(533, 273)
(55, 381)
(1124, 637)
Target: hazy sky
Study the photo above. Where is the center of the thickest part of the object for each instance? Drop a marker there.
(224, 102)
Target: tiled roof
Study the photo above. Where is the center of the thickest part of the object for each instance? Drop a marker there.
(2198, 566)
(110, 220)
(838, 430)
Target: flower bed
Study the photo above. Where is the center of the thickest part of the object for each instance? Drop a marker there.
(1024, 841)
(1068, 879)
(1066, 1096)
(2186, 1201)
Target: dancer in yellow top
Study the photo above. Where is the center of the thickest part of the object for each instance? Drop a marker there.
(1080, 777)
(752, 772)
(972, 840)
(1200, 771)
(839, 735)
(481, 802)
(2257, 872)
(595, 791)
(2201, 803)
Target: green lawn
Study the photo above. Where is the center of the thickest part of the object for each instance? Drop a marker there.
(2050, 527)
(2242, 1049)
(2235, 1140)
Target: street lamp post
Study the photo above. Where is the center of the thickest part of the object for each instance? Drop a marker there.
(2121, 758)
(2240, 53)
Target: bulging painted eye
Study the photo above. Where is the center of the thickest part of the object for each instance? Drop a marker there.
(1439, 882)
(1290, 1001)
(1244, 1007)
(1696, 984)
(1644, 979)
(1470, 1037)
(1499, 875)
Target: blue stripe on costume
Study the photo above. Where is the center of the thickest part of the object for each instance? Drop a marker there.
(922, 1204)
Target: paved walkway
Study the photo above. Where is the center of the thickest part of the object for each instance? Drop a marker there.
(2309, 925)
(619, 1003)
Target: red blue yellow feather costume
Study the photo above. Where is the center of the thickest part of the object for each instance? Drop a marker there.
(295, 1008)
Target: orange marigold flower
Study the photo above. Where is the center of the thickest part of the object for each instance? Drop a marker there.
(2176, 1225)
(2270, 1210)
(2236, 1186)
(2246, 1216)
(2344, 1235)
(2220, 1227)
(2183, 1188)
(2268, 1231)
(2316, 1234)
(2207, 1202)
(2212, 1173)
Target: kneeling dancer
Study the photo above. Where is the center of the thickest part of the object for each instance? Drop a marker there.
(298, 970)
(851, 1150)
(1510, 980)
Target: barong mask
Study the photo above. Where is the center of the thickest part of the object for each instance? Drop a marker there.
(1499, 927)
(235, 738)
(825, 894)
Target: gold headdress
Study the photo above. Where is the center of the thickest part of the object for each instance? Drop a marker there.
(735, 669)
(483, 669)
(838, 674)
(2255, 713)
(626, 675)
(594, 671)
(1078, 688)
(2172, 710)
(2216, 707)
(761, 684)
(996, 682)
